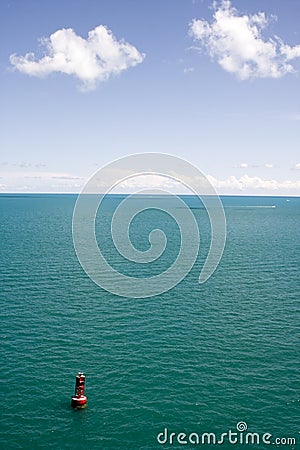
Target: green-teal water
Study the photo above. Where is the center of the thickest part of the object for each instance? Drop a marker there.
(198, 358)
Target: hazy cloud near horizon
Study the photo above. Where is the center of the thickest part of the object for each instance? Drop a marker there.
(38, 181)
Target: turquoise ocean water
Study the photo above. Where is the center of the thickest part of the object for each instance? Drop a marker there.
(196, 359)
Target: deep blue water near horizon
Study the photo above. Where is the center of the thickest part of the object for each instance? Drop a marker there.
(198, 358)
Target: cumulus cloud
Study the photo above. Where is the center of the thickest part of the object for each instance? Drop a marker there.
(148, 181)
(297, 166)
(232, 183)
(39, 181)
(235, 41)
(92, 60)
(245, 182)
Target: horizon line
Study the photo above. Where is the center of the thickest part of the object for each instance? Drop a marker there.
(134, 193)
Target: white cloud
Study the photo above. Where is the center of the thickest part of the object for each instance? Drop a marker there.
(42, 181)
(236, 42)
(290, 52)
(269, 166)
(255, 183)
(244, 165)
(91, 60)
(297, 166)
(147, 181)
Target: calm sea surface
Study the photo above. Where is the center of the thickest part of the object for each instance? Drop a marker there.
(196, 359)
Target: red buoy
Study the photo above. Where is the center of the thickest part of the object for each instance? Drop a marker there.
(79, 399)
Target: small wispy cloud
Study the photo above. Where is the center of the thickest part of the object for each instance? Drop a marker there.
(294, 117)
(297, 166)
(66, 177)
(245, 165)
(188, 70)
(13, 177)
(236, 42)
(22, 164)
(91, 60)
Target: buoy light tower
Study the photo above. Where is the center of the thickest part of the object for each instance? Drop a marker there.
(79, 399)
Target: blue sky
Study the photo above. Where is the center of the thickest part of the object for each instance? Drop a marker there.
(169, 81)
